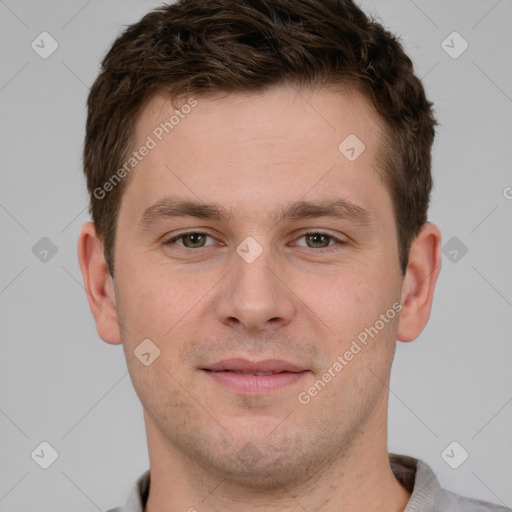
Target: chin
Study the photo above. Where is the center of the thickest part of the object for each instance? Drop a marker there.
(262, 472)
(263, 462)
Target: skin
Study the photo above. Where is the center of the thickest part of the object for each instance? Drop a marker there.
(212, 448)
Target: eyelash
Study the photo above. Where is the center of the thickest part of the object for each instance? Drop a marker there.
(320, 249)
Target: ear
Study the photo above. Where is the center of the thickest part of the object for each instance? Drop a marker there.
(98, 284)
(419, 282)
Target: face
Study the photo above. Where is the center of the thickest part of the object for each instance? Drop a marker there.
(259, 302)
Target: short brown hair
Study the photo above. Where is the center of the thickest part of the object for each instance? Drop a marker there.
(196, 47)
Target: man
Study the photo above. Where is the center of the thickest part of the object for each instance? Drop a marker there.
(259, 174)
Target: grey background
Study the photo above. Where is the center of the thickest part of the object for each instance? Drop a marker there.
(61, 384)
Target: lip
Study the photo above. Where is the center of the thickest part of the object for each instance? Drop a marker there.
(244, 365)
(241, 375)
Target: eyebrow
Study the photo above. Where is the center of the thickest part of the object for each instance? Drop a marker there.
(175, 206)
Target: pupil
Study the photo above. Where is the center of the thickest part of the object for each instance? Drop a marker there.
(315, 240)
(195, 238)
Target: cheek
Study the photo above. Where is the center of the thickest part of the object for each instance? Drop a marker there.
(153, 302)
(351, 300)
(163, 307)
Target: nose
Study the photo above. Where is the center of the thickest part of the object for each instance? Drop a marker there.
(255, 296)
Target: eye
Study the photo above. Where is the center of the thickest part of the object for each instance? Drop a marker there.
(191, 240)
(319, 240)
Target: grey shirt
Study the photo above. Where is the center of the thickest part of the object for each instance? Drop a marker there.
(426, 493)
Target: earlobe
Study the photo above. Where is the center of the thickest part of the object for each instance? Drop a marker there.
(419, 282)
(98, 284)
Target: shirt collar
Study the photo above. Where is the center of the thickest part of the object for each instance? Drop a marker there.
(418, 479)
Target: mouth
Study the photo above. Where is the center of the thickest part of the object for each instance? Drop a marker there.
(255, 377)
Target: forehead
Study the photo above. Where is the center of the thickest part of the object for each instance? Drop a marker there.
(246, 150)
(279, 114)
